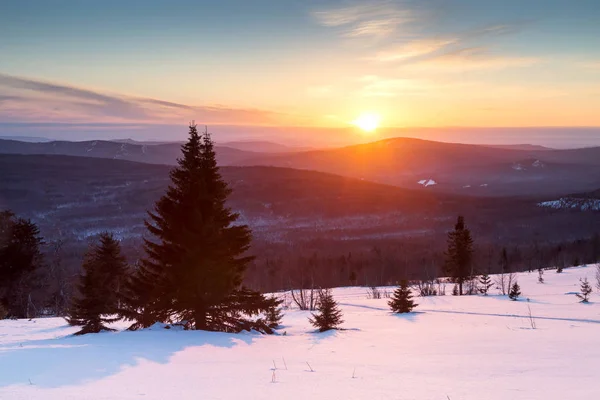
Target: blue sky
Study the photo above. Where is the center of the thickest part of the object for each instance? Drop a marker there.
(427, 63)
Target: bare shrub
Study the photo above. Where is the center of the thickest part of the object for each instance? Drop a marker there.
(471, 287)
(441, 287)
(501, 284)
(504, 282)
(374, 293)
(305, 299)
(426, 288)
(531, 319)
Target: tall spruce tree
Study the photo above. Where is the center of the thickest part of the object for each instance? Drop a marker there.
(194, 265)
(98, 300)
(20, 262)
(329, 316)
(401, 301)
(459, 254)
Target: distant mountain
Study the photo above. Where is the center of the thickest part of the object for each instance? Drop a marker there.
(153, 154)
(86, 194)
(28, 139)
(83, 196)
(527, 147)
(144, 142)
(263, 146)
(461, 169)
(456, 168)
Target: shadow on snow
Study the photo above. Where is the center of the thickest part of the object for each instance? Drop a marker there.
(70, 360)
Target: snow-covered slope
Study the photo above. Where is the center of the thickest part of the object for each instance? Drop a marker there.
(573, 203)
(462, 348)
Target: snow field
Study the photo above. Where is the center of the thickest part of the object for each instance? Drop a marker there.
(470, 347)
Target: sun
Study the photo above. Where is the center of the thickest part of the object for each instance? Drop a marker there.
(368, 122)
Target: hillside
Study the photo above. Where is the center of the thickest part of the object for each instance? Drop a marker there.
(466, 348)
(472, 170)
(84, 195)
(456, 168)
(93, 193)
(154, 153)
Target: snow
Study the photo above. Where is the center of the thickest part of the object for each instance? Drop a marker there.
(465, 348)
(573, 203)
(538, 164)
(427, 182)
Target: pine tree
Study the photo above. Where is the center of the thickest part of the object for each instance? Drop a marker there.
(194, 266)
(504, 262)
(586, 290)
(401, 301)
(486, 283)
(97, 302)
(455, 290)
(540, 275)
(329, 316)
(515, 292)
(20, 262)
(274, 314)
(459, 253)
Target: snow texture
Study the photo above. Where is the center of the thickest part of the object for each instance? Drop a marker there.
(427, 182)
(463, 348)
(573, 203)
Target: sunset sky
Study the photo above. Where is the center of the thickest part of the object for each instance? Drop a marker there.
(300, 63)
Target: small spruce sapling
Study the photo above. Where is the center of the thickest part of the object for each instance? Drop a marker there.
(486, 283)
(515, 291)
(586, 290)
(540, 275)
(274, 314)
(329, 316)
(401, 301)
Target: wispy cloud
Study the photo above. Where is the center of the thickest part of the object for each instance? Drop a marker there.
(412, 49)
(471, 58)
(422, 47)
(377, 19)
(32, 100)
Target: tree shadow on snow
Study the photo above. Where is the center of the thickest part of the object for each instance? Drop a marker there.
(70, 360)
(411, 316)
(584, 320)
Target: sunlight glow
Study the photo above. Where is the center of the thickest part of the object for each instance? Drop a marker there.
(368, 122)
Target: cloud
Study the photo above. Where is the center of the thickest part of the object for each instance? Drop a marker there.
(421, 47)
(35, 100)
(377, 19)
(416, 48)
(471, 58)
(98, 103)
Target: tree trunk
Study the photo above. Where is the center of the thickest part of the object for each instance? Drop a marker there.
(200, 319)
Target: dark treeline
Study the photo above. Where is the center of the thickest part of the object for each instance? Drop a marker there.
(199, 267)
(364, 263)
(279, 266)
